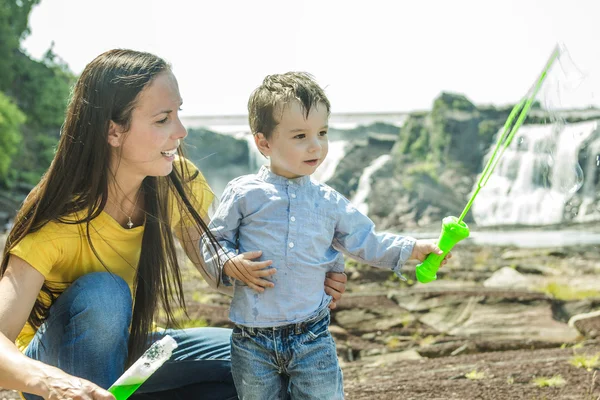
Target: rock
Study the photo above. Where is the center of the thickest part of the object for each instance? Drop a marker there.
(506, 277)
(521, 253)
(368, 336)
(401, 320)
(390, 358)
(445, 318)
(354, 319)
(512, 320)
(536, 270)
(587, 324)
(564, 310)
(338, 332)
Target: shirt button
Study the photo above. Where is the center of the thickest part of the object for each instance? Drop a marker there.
(293, 219)
(293, 195)
(291, 245)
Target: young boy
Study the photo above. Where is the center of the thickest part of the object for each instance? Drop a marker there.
(281, 343)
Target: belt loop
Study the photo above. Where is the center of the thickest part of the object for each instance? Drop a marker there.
(248, 331)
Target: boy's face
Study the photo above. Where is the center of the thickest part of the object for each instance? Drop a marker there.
(298, 145)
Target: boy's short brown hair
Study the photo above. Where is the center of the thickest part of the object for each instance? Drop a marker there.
(277, 90)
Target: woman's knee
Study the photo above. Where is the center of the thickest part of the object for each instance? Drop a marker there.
(104, 299)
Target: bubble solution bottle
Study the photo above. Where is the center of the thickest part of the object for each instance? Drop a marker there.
(145, 366)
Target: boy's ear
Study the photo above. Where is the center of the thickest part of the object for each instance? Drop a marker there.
(262, 144)
(115, 134)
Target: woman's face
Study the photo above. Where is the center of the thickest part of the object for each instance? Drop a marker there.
(149, 147)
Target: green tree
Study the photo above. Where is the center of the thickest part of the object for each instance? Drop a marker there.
(11, 119)
(40, 89)
(14, 27)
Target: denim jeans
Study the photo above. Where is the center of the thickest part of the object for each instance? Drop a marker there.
(297, 361)
(86, 335)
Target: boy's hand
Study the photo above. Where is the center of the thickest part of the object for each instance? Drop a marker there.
(422, 249)
(250, 272)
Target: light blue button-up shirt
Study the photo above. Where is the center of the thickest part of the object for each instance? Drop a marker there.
(303, 227)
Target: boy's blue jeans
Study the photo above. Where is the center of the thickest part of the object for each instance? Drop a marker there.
(86, 335)
(297, 361)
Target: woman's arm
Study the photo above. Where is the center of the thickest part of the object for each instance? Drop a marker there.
(19, 288)
(335, 283)
(189, 238)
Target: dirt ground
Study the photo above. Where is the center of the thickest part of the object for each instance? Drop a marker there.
(498, 375)
(502, 375)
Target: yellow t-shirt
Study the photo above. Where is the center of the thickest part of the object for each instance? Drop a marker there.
(61, 252)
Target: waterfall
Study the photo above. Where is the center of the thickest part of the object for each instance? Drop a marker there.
(536, 177)
(589, 209)
(364, 184)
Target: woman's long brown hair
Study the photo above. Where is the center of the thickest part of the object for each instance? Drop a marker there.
(77, 182)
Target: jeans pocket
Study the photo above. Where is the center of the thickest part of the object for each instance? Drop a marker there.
(237, 332)
(318, 329)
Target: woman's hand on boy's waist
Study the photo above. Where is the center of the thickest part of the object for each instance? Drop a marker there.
(252, 273)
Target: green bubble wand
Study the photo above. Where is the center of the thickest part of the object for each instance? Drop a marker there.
(152, 359)
(454, 229)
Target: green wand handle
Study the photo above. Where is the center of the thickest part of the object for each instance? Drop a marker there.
(453, 231)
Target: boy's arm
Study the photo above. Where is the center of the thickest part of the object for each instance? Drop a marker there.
(356, 237)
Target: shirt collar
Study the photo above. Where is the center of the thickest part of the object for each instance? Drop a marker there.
(266, 175)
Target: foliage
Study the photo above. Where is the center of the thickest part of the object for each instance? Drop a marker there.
(475, 375)
(453, 101)
(39, 89)
(424, 169)
(11, 119)
(14, 27)
(194, 323)
(42, 89)
(587, 362)
(555, 381)
(568, 292)
(414, 138)
(488, 129)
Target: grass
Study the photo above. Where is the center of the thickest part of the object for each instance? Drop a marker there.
(567, 292)
(428, 340)
(194, 323)
(475, 375)
(393, 343)
(584, 361)
(555, 381)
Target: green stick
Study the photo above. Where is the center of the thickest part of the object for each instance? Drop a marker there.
(454, 229)
(510, 129)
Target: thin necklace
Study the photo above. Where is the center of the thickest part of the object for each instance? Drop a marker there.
(129, 223)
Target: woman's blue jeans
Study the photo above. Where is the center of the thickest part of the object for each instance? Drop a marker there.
(86, 335)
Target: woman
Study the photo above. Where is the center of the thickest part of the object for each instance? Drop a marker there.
(98, 231)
